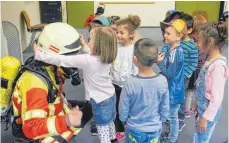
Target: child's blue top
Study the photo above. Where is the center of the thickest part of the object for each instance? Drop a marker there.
(172, 67)
(144, 103)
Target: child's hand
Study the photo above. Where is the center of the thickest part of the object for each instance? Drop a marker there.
(35, 48)
(202, 124)
(82, 41)
(160, 57)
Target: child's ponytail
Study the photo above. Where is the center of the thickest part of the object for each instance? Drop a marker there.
(132, 22)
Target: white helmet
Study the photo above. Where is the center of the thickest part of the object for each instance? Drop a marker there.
(59, 38)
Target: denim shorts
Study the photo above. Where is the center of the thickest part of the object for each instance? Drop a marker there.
(105, 111)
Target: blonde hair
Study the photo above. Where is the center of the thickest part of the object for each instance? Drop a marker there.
(105, 44)
(198, 20)
(132, 22)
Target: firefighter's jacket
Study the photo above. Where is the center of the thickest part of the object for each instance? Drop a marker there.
(40, 119)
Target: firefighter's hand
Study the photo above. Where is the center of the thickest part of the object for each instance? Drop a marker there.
(73, 118)
(35, 48)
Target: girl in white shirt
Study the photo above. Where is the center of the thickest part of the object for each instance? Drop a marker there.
(123, 67)
(96, 68)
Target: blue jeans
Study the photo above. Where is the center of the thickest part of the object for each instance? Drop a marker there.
(181, 114)
(204, 137)
(174, 122)
(142, 137)
(105, 111)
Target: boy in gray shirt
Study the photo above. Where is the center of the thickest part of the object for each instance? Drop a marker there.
(144, 101)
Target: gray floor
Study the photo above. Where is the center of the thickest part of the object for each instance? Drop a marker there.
(220, 134)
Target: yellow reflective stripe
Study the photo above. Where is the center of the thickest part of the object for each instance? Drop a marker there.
(15, 110)
(47, 140)
(42, 136)
(34, 114)
(51, 125)
(61, 113)
(16, 94)
(72, 128)
(51, 110)
(66, 109)
(18, 101)
(77, 131)
(66, 134)
(57, 101)
(19, 82)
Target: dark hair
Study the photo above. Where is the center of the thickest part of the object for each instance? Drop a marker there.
(146, 51)
(188, 20)
(133, 22)
(173, 16)
(218, 31)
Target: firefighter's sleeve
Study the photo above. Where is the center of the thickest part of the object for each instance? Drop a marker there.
(36, 121)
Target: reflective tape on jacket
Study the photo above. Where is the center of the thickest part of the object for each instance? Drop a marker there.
(66, 134)
(51, 109)
(75, 130)
(51, 124)
(34, 114)
(57, 101)
(47, 140)
(66, 109)
(61, 113)
(15, 110)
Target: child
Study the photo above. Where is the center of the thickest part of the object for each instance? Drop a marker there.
(211, 80)
(123, 67)
(190, 63)
(169, 16)
(171, 64)
(98, 21)
(144, 101)
(198, 20)
(97, 82)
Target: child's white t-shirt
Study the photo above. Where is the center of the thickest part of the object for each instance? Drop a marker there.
(97, 81)
(123, 67)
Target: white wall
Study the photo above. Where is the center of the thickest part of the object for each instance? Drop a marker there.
(225, 6)
(150, 14)
(11, 11)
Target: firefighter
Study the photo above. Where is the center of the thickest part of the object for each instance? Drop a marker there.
(40, 107)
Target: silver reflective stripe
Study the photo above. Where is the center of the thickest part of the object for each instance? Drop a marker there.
(47, 140)
(51, 109)
(34, 114)
(51, 125)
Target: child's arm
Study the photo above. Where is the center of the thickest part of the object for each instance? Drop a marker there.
(217, 91)
(164, 105)
(175, 63)
(85, 49)
(124, 104)
(77, 61)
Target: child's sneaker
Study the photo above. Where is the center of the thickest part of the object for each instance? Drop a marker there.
(181, 125)
(94, 131)
(114, 141)
(187, 114)
(120, 136)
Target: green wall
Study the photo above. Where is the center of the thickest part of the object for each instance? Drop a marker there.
(78, 11)
(211, 7)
